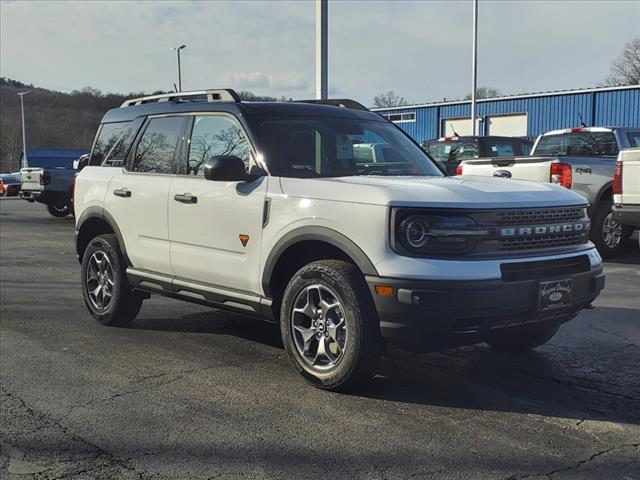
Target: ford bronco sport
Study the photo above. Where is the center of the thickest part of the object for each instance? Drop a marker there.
(267, 209)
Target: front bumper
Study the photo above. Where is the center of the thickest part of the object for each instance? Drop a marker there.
(627, 214)
(431, 315)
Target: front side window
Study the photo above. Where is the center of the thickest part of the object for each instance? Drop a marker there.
(214, 135)
(156, 149)
(305, 146)
(580, 144)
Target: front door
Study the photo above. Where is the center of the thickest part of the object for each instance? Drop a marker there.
(215, 227)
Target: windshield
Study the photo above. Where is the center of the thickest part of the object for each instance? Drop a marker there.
(582, 144)
(334, 147)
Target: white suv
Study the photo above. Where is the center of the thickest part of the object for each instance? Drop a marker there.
(267, 209)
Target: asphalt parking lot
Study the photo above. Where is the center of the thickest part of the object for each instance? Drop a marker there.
(190, 392)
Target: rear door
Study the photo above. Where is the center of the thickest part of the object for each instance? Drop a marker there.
(215, 227)
(137, 195)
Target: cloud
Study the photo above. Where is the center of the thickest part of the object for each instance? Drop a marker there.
(420, 49)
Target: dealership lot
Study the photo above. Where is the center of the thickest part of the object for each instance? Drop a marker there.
(189, 392)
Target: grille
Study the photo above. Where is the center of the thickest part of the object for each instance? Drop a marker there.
(540, 215)
(514, 272)
(536, 243)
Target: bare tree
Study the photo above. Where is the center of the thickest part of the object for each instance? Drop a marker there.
(389, 99)
(625, 70)
(484, 92)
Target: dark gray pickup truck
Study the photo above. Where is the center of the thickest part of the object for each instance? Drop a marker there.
(582, 159)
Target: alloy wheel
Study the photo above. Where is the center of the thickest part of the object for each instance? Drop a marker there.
(99, 280)
(318, 327)
(611, 231)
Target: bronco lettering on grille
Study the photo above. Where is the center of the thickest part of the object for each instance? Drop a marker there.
(543, 229)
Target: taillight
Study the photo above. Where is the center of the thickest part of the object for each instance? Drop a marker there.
(45, 178)
(560, 173)
(459, 170)
(617, 179)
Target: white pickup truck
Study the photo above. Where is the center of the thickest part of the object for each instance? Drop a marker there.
(626, 188)
(582, 159)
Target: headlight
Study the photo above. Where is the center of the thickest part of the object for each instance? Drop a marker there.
(418, 233)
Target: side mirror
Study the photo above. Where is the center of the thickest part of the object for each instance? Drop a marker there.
(225, 168)
(81, 162)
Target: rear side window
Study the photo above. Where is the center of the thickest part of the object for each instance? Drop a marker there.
(113, 142)
(580, 144)
(634, 138)
(156, 149)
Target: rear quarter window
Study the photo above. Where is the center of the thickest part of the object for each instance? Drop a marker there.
(113, 142)
(634, 138)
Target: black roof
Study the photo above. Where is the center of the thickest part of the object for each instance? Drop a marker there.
(128, 113)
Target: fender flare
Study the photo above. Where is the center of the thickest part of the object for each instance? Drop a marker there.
(605, 187)
(102, 214)
(323, 234)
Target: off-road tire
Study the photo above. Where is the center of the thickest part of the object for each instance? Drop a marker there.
(362, 344)
(124, 303)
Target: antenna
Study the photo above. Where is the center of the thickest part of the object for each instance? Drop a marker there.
(175, 88)
(455, 134)
(582, 124)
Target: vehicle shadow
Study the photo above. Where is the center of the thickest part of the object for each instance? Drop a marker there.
(587, 376)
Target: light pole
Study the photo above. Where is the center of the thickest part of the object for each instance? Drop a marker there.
(321, 49)
(474, 66)
(177, 49)
(25, 163)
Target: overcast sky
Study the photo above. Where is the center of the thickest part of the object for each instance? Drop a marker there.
(420, 49)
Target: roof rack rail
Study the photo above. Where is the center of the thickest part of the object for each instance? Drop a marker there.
(338, 102)
(219, 95)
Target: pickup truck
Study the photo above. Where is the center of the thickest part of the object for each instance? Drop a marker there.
(582, 159)
(626, 188)
(450, 151)
(49, 179)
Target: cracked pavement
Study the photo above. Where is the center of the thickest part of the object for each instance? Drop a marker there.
(190, 392)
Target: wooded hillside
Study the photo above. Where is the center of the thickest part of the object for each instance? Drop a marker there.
(55, 119)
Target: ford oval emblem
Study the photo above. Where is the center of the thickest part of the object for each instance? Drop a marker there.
(28, 176)
(555, 296)
(502, 174)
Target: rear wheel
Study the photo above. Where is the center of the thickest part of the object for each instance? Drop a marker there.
(329, 325)
(105, 288)
(609, 236)
(522, 339)
(59, 210)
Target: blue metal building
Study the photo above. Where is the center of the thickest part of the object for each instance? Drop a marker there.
(521, 115)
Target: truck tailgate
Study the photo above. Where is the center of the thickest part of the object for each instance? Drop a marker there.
(522, 168)
(31, 179)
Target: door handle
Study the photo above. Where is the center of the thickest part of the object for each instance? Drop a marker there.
(122, 192)
(186, 198)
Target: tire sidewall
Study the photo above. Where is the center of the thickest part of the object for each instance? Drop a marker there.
(63, 212)
(311, 275)
(108, 245)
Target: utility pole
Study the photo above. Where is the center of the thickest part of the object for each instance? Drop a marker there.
(321, 49)
(177, 49)
(474, 67)
(25, 162)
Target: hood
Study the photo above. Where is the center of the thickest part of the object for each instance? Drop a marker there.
(443, 192)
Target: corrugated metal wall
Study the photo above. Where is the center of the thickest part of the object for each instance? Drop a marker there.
(545, 112)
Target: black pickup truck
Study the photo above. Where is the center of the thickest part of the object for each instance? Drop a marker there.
(450, 151)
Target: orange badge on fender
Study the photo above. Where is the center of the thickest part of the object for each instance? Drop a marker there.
(244, 239)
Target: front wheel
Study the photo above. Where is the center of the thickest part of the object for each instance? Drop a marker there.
(59, 210)
(521, 340)
(329, 325)
(609, 236)
(105, 288)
